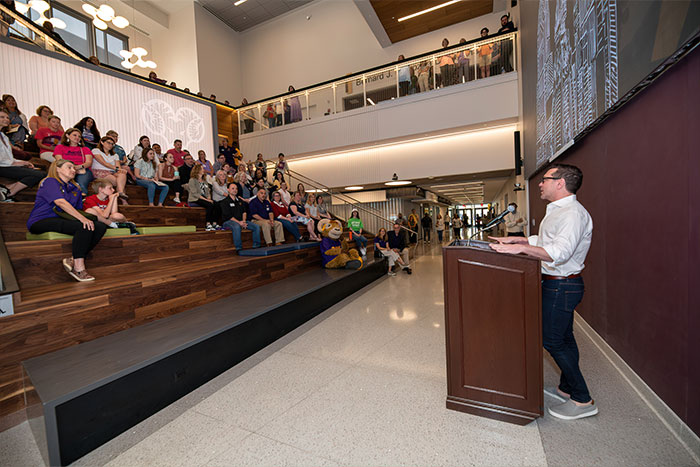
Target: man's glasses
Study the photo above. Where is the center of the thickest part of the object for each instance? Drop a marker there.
(549, 178)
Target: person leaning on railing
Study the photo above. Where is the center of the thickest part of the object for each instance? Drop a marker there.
(5, 19)
(58, 208)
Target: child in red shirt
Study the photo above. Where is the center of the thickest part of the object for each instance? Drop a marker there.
(103, 204)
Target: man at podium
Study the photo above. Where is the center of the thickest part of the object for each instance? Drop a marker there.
(562, 244)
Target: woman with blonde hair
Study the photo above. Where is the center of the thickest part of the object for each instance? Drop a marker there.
(58, 208)
(219, 187)
(200, 196)
(106, 165)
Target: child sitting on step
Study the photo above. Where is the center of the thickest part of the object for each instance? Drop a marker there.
(103, 204)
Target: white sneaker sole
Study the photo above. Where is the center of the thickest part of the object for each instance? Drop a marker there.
(589, 413)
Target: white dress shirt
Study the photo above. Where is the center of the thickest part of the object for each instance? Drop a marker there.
(565, 234)
(6, 157)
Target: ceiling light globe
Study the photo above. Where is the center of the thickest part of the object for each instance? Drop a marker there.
(99, 24)
(89, 9)
(105, 13)
(58, 23)
(39, 6)
(120, 22)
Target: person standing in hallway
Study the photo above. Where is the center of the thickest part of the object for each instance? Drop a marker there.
(439, 226)
(413, 225)
(427, 224)
(457, 226)
(562, 244)
(515, 222)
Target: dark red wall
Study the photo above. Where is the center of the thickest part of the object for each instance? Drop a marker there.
(642, 187)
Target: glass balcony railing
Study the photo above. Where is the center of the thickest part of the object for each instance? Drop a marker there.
(456, 65)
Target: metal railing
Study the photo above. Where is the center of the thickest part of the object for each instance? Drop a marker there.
(435, 70)
(320, 188)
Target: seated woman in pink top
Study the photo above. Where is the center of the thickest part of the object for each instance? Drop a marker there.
(71, 148)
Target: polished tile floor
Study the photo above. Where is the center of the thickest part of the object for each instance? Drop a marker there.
(363, 384)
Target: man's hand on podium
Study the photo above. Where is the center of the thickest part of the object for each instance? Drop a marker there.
(522, 240)
(517, 245)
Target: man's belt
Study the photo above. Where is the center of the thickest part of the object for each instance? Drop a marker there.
(547, 277)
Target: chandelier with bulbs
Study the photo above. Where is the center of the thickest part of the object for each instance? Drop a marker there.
(103, 15)
(139, 53)
(41, 7)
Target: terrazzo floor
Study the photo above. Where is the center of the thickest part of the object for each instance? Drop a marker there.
(363, 384)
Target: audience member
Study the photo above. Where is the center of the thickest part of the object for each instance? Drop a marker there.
(178, 153)
(312, 209)
(270, 115)
(21, 171)
(41, 119)
(169, 174)
(404, 77)
(47, 137)
(94, 60)
(105, 165)
(296, 207)
(154, 77)
(199, 194)
(279, 209)
(261, 164)
(381, 244)
(447, 66)
(424, 76)
(228, 153)
(245, 181)
(118, 150)
(146, 173)
(103, 204)
(259, 175)
(160, 157)
(484, 56)
(219, 186)
(277, 182)
(356, 226)
(439, 226)
(206, 165)
(18, 129)
(5, 19)
(398, 245)
(58, 193)
(220, 162)
(173, 84)
(71, 148)
(515, 222)
(89, 132)
(427, 224)
(137, 152)
(321, 205)
(302, 191)
(248, 123)
(294, 107)
(185, 170)
(261, 214)
(506, 24)
(49, 30)
(464, 68)
(286, 195)
(234, 213)
(281, 165)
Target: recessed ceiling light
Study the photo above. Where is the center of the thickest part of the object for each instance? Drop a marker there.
(239, 2)
(428, 10)
(398, 182)
(354, 188)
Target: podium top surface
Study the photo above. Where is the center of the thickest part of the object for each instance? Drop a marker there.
(482, 245)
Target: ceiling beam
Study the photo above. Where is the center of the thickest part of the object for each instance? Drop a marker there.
(373, 22)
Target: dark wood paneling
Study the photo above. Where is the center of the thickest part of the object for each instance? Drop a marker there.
(389, 11)
(641, 171)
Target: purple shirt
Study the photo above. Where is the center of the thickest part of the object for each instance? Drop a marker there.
(261, 208)
(49, 191)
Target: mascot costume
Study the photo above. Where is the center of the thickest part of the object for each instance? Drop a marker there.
(335, 252)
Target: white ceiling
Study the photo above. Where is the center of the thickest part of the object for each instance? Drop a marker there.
(251, 13)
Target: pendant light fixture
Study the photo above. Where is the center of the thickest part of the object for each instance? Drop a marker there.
(103, 15)
(41, 7)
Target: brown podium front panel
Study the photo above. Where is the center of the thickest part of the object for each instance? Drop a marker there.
(493, 327)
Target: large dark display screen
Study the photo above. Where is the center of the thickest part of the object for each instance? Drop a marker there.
(580, 56)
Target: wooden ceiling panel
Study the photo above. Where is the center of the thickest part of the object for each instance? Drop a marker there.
(389, 11)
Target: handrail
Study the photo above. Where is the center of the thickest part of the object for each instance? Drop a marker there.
(325, 189)
(32, 26)
(471, 43)
(8, 281)
(67, 50)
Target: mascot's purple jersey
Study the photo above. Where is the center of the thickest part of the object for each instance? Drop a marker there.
(327, 244)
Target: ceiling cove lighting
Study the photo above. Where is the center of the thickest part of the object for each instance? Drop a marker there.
(354, 188)
(396, 182)
(428, 10)
(239, 2)
(103, 15)
(40, 6)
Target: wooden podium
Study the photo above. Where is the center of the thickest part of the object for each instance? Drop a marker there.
(493, 326)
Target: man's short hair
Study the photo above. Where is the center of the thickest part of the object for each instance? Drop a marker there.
(112, 133)
(397, 224)
(261, 189)
(221, 155)
(231, 183)
(571, 174)
(504, 16)
(177, 141)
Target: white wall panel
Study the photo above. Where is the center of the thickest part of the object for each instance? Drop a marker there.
(74, 91)
(478, 102)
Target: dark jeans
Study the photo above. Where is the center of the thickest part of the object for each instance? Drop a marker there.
(440, 235)
(457, 232)
(426, 233)
(174, 185)
(559, 299)
(83, 240)
(290, 227)
(248, 124)
(213, 211)
(24, 175)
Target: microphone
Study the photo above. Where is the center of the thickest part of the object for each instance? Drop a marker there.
(500, 217)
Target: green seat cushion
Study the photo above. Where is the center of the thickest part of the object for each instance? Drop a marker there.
(60, 236)
(166, 229)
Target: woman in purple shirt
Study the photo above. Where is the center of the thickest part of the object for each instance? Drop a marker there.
(58, 192)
